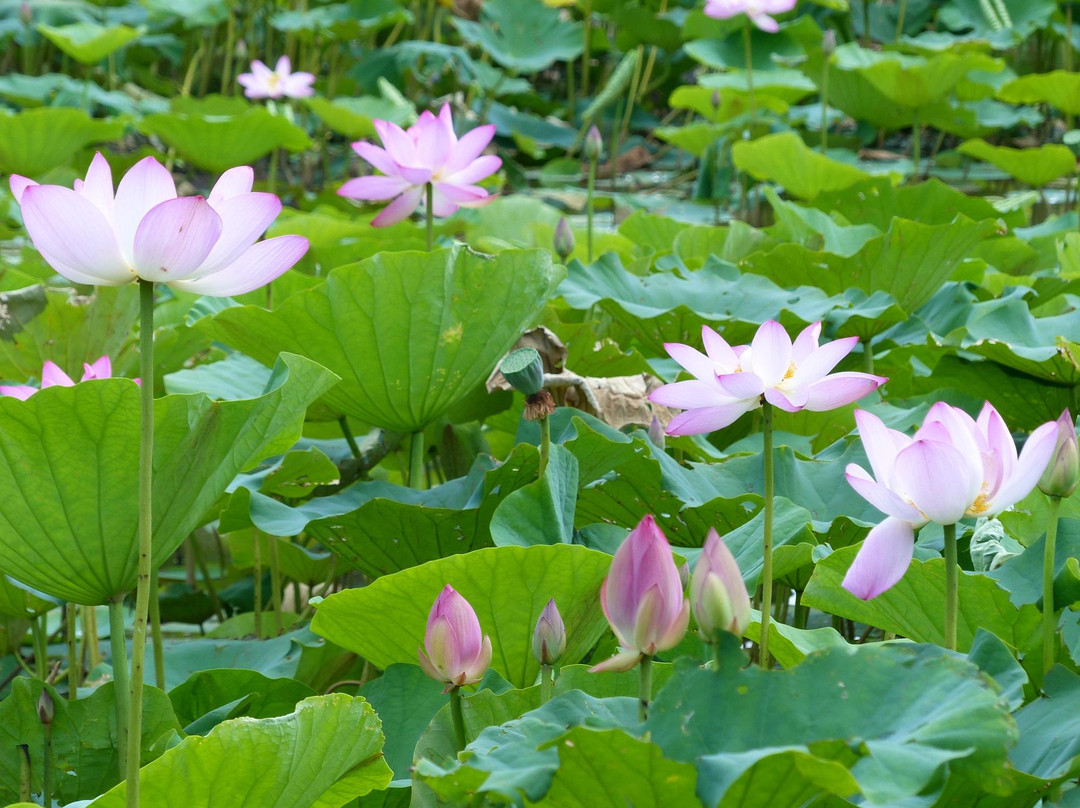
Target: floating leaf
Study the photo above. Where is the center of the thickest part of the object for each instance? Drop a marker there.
(37, 140)
(88, 42)
(1058, 88)
(784, 159)
(1036, 166)
(209, 697)
(523, 35)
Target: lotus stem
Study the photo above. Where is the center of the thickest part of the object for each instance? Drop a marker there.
(952, 583)
(121, 694)
(766, 569)
(644, 687)
(256, 573)
(74, 665)
(429, 215)
(25, 782)
(91, 650)
(1049, 613)
(458, 718)
(545, 443)
(586, 53)
(749, 73)
(146, 533)
(416, 460)
(46, 766)
(900, 19)
(825, 104)
(589, 192)
(275, 584)
(350, 439)
(916, 145)
(155, 631)
(39, 633)
(271, 180)
(868, 357)
(547, 683)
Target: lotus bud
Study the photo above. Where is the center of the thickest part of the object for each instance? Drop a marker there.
(594, 144)
(26, 14)
(718, 595)
(828, 42)
(1060, 477)
(715, 100)
(46, 710)
(642, 598)
(455, 650)
(564, 239)
(656, 433)
(549, 638)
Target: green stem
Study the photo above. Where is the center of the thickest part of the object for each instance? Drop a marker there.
(256, 572)
(275, 584)
(416, 460)
(586, 54)
(350, 439)
(547, 683)
(271, 181)
(545, 443)
(155, 631)
(458, 718)
(230, 49)
(589, 209)
(429, 214)
(74, 666)
(91, 648)
(24, 773)
(121, 694)
(868, 357)
(715, 646)
(204, 571)
(825, 105)
(952, 583)
(1049, 613)
(46, 767)
(41, 647)
(749, 73)
(900, 19)
(916, 146)
(766, 570)
(644, 687)
(146, 533)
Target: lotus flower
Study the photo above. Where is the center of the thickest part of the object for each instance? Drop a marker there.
(455, 650)
(549, 637)
(52, 375)
(757, 11)
(145, 231)
(1061, 476)
(953, 467)
(718, 596)
(642, 598)
(281, 82)
(731, 381)
(428, 152)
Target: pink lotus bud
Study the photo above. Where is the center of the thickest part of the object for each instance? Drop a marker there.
(455, 650)
(46, 710)
(656, 433)
(828, 42)
(549, 638)
(1060, 477)
(642, 598)
(26, 14)
(718, 595)
(564, 239)
(594, 144)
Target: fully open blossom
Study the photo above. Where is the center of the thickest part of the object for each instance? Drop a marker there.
(718, 596)
(730, 381)
(281, 82)
(51, 375)
(455, 650)
(953, 467)
(428, 152)
(642, 598)
(757, 11)
(144, 230)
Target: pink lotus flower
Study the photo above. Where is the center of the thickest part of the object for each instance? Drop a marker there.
(953, 467)
(757, 10)
(428, 152)
(455, 650)
(549, 636)
(145, 231)
(52, 375)
(731, 381)
(642, 598)
(718, 596)
(281, 82)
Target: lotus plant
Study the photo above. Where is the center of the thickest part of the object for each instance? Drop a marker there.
(281, 82)
(548, 645)
(53, 376)
(456, 651)
(143, 231)
(718, 597)
(642, 598)
(425, 160)
(953, 467)
(772, 371)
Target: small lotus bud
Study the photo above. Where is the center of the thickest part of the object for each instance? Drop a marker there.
(456, 651)
(523, 370)
(45, 709)
(549, 637)
(715, 99)
(564, 239)
(594, 144)
(718, 596)
(828, 42)
(1061, 476)
(656, 433)
(26, 14)
(684, 574)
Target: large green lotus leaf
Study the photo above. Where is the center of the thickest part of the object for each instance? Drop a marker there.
(411, 334)
(17, 602)
(1049, 745)
(1036, 166)
(295, 560)
(783, 158)
(522, 35)
(1058, 88)
(325, 754)
(789, 86)
(354, 117)
(37, 140)
(915, 607)
(1021, 575)
(790, 778)
(69, 481)
(817, 230)
(790, 645)
(69, 329)
(909, 262)
(210, 697)
(406, 699)
(541, 512)
(216, 142)
(83, 739)
(341, 237)
(896, 715)
(978, 118)
(88, 42)
(1005, 331)
(507, 586)
(1004, 23)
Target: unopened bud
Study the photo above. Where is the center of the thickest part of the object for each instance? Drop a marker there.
(594, 144)
(564, 239)
(656, 433)
(26, 14)
(828, 42)
(718, 596)
(45, 709)
(549, 637)
(715, 99)
(1063, 472)
(523, 370)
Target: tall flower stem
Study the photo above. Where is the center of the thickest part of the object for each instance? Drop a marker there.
(825, 104)
(766, 570)
(47, 766)
(749, 73)
(91, 651)
(545, 443)
(644, 687)
(547, 683)
(74, 665)
(257, 576)
(155, 631)
(276, 587)
(429, 192)
(900, 19)
(458, 718)
(589, 208)
(121, 694)
(146, 532)
(416, 460)
(952, 583)
(1049, 613)
(40, 635)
